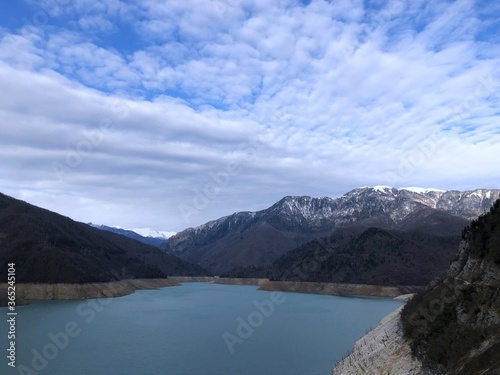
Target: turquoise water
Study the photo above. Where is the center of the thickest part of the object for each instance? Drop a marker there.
(198, 328)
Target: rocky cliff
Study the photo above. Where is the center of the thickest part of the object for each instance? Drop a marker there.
(453, 326)
(455, 323)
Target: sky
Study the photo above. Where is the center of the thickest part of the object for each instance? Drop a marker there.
(168, 114)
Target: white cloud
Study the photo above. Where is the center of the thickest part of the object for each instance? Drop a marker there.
(346, 96)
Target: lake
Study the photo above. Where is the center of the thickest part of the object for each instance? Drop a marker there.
(195, 329)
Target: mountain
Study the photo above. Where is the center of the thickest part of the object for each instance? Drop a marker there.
(50, 248)
(454, 325)
(147, 236)
(258, 238)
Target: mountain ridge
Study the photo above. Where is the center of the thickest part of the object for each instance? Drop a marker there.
(258, 238)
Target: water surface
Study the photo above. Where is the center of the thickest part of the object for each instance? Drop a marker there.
(191, 330)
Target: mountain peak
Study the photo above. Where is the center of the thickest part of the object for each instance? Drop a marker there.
(294, 198)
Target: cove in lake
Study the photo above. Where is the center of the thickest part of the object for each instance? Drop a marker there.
(195, 329)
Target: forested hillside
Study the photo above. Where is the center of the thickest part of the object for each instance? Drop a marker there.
(50, 248)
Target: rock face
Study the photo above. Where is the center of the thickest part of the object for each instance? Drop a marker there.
(258, 238)
(382, 351)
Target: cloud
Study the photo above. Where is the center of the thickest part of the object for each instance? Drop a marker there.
(301, 99)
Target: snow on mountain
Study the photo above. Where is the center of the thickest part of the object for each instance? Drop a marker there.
(303, 208)
(148, 232)
(382, 189)
(419, 190)
(361, 203)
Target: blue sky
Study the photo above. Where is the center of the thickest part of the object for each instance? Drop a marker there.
(167, 114)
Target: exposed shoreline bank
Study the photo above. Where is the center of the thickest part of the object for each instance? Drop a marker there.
(236, 281)
(219, 280)
(193, 279)
(336, 289)
(384, 350)
(66, 291)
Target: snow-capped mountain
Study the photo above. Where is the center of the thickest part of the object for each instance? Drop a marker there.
(257, 238)
(148, 232)
(144, 235)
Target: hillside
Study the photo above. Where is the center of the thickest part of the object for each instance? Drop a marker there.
(375, 256)
(455, 324)
(256, 239)
(50, 248)
(360, 255)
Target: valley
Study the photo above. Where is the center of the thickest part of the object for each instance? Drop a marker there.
(384, 242)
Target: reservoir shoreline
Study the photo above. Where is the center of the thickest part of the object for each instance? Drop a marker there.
(69, 291)
(338, 289)
(334, 289)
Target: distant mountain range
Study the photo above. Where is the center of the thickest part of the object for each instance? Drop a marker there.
(254, 240)
(50, 248)
(378, 235)
(145, 235)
